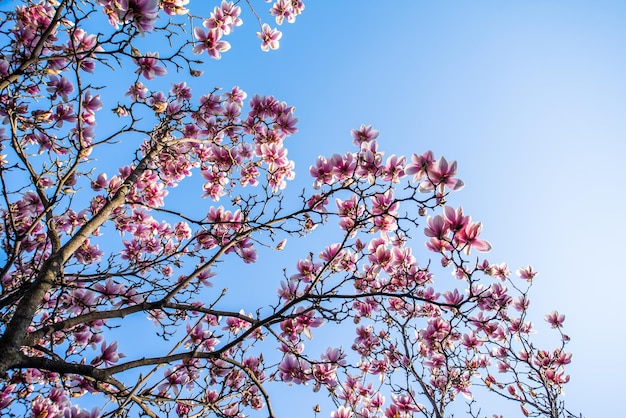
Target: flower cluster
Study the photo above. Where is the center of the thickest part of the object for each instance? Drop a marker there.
(454, 231)
(142, 14)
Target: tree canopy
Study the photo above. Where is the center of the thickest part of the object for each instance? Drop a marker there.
(93, 241)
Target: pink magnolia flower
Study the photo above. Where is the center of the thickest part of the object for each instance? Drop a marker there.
(453, 298)
(420, 165)
(455, 218)
(393, 170)
(325, 374)
(521, 303)
(210, 42)
(526, 273)
(282, 9)
(342, 412)
(175, 7)
(322, 172)
(370, 163)
(249, 174)
(555, 319)
(182, 410)
(305, 321)
(307, 270)
(91, 104)
(349, 208)
(286, 9)
(137, 92)
(269, 37)
(236, 95)
(110, 289)
(343, 166)
(237, 324)
(384, 203)
(224, 18)
(405, 403)
(332, 255)
(273, 155)
(468, 236)
(557, 377)
(81, 41)
(440, 174)
(334, 355)
(437, 227)
(64, 113)
(143, 13)
(148, 65)
(44, 407)
(470, 341)
(60, 86)
(181, 91)
(365, 134)
(562, 358)
(289, 290)
(286, 122)
(88, 254)
(200, 337)
(109, 355)
(182, 231)
(248, 254)
(232, 12)
(291, 369)
(501, 271)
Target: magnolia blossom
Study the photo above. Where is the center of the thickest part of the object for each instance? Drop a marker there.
(148, 65)
(555, 319)
(526, 273)
(175, 7)
(342, 412)
(269, 37)
(109, 354)
(210, 42)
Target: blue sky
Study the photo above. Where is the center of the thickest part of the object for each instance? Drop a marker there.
(530, 99)
(528, 96)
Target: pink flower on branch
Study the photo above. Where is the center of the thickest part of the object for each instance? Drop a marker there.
(526, 273)
(420, 165)
(286, 9)
(342, 412)
(148, 65)
(393, 170)
(141, 13)
(364, 135)
(555, 319)
(175, 7)
(440, 174)
(322, 172)
(292, 369)
(210, 42)
(224, 18)
(269, 37)
(109, 355)
(88, 254)
(60, 86)
(468, 237)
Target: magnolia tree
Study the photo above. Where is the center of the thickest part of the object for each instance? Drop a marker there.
(91, 245)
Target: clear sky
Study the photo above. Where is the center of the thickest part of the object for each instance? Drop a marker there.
(528, 96)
